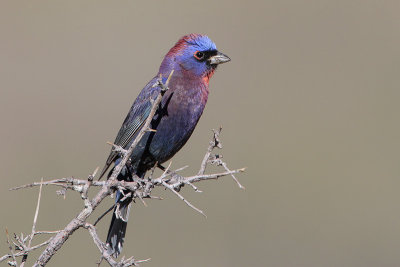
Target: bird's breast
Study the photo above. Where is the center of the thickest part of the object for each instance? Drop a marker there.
(182, 108)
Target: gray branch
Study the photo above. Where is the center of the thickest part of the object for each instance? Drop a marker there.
(138, 188)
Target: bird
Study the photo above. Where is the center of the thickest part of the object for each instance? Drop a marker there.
(193, 60)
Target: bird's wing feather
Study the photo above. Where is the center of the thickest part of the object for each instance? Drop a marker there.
(134, 121)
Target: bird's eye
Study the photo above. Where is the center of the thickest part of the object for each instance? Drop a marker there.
(199, 55)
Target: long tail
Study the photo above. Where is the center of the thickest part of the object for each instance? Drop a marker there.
(117, 230)
(119, 221)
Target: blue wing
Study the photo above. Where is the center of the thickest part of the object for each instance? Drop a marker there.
(134, 121)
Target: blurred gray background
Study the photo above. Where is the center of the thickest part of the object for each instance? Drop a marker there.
(309, 103)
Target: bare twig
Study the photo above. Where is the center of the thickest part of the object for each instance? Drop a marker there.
(214, 143)
(19, 254)
(36, 213)
(233, 176)
(170, 187)
(25, 257)
(46, 232)
(69, 182)
(14, 262)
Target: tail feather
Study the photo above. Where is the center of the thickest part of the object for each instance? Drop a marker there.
(117, 230)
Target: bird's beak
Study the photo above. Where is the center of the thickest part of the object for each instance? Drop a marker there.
(219, 58)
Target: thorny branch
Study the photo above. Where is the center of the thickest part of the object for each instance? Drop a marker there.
(138, 188)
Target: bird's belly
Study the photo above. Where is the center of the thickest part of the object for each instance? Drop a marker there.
(172, 134)
(157, 147)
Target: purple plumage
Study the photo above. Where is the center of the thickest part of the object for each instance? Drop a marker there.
(194, 59)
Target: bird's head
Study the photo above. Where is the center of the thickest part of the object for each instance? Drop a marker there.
(195, 55)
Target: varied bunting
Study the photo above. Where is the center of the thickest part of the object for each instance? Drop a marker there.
(194, 59)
